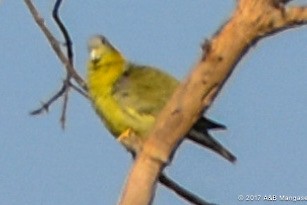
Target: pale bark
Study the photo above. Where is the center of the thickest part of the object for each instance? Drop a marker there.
(251, 21)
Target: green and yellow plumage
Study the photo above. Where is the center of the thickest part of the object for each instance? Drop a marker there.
(128, 97)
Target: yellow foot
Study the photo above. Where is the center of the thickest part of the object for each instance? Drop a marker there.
(125, 135)
(131, 141)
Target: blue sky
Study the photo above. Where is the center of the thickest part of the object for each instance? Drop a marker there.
(263, 105)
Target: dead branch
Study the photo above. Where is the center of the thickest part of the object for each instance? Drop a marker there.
(67, 61)
(55, 44)
(187, 195)
(251, 21)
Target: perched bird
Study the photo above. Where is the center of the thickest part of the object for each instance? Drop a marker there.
(128, 97)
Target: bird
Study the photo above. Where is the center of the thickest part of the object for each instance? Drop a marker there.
(129, 96)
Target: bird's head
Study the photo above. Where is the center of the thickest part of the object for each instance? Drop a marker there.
(99, 47)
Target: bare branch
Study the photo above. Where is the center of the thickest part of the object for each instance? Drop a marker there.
(71, 72)
(251, 21)
(65, 102)
(69, 51)
(80, 91)
(187, 195)
(45, 106)
(289, 18)
(68, 41)
(55, 44)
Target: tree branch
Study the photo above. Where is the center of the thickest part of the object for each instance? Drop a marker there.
(68, 41)
(189, 196)
(67, 61)
(55, 44)
(251, 21)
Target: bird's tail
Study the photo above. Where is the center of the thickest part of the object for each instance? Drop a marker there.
(199, 134)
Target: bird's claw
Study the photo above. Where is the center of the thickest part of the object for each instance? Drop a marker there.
(125, 135)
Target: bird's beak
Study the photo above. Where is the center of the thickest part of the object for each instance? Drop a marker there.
(95, 55)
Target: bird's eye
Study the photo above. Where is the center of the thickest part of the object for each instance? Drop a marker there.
(103, 40)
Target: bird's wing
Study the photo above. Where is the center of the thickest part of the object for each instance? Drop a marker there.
(144, 89)
(142, 92)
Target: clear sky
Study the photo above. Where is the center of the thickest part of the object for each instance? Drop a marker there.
(263, 105)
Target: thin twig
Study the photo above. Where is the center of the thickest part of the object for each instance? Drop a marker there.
(45, 106)
(70, 55)
(182, 192)
(80, 91)
(55, 44)
(71, 72)
(65, 102)
(68, 41)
